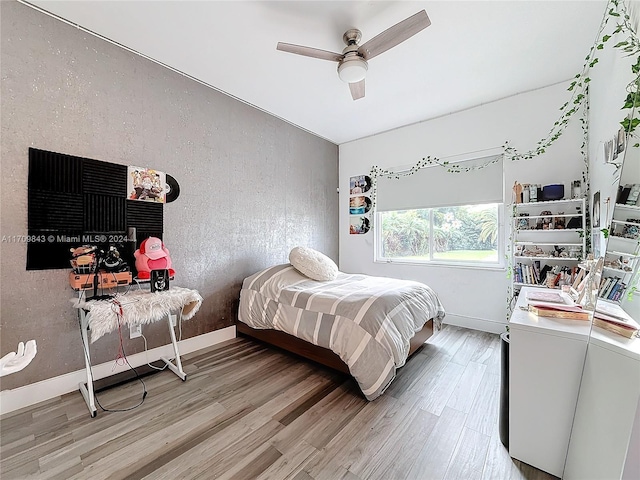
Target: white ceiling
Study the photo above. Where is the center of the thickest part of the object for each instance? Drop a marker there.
(474, 52)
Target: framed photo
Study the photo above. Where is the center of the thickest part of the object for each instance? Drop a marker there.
(595, 210)
(621, 142)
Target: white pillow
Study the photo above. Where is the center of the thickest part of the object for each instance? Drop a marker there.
(313, 264)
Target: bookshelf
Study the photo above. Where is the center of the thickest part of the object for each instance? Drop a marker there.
(547, 242)
(622, 257)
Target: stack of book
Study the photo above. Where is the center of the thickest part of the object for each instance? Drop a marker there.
(614, 319)
(612, 288)
(555, 305)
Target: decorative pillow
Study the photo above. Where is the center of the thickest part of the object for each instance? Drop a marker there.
(313, 264)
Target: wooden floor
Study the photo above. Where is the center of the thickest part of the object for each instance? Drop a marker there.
(248, 411)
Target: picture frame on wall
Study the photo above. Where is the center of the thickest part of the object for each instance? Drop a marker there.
(146, 184)
(595, 210)
(359, 225)
(359, 205)
(359, 184)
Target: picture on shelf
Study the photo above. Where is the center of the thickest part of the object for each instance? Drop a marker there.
(630, 230)
(523, 221)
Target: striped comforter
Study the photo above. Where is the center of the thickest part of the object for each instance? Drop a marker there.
(367, 321)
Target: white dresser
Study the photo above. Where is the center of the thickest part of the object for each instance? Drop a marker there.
(607, 407)
(546, 357)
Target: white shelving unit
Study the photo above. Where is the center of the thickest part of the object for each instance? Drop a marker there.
(622, 257)
(542, 240)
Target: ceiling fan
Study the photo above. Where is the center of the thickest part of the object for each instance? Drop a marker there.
(352, 62)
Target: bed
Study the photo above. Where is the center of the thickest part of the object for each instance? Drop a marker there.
(362, 325)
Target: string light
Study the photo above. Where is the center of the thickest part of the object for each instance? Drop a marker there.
(579, 101)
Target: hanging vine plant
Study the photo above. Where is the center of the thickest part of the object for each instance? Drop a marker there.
(579, 88)
(578, 101)
(631, 47)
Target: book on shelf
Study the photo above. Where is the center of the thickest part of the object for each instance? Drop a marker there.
(536, 271)
(609, 287)
(604, 283)
(614, 290)
(618, 295)
(530, 279)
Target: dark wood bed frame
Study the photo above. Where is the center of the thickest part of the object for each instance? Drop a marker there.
(319, 354)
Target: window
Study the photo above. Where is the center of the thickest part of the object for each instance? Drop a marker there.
(462, 235)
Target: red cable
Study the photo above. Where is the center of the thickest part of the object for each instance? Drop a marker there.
(121, 358)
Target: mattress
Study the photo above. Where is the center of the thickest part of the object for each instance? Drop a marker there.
(367, 321)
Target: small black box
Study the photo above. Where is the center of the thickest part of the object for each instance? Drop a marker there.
(159, 280)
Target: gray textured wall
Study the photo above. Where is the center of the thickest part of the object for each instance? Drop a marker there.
(252, 186)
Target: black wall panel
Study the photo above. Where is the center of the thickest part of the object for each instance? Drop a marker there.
(73, 201)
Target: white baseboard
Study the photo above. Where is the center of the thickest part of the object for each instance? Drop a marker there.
(481, 324)
(20, 397)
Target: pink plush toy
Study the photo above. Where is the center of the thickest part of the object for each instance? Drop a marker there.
(152, 255)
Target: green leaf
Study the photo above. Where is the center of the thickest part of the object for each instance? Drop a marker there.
(606, 37)
(600, 46)
(630, 124)
(631, 101)
(620, 44)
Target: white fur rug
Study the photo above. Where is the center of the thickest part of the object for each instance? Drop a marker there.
(139, 307)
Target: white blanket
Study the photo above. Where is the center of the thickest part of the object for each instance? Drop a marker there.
(138, 307)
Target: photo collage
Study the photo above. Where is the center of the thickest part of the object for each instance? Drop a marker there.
(359, 204)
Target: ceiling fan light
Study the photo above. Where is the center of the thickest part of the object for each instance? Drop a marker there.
(352, 70)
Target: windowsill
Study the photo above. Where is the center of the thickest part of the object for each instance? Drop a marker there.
(435, 263)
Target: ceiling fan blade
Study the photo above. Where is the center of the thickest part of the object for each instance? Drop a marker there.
(310, 52)
(357, 89)
(394, 35)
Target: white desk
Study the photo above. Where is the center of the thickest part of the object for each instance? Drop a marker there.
(607, 406)
(546, 357)
(138, 308)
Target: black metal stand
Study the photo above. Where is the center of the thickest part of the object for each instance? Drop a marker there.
(503, 422)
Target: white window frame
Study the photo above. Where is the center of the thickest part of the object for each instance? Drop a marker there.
(499, 265)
